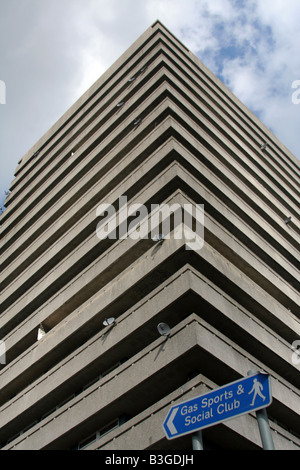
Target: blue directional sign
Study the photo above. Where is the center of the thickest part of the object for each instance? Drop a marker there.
(235, 399)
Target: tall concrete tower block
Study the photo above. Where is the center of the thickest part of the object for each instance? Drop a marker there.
(81, 295)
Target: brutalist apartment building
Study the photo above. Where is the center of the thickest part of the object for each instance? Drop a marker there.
(85, 365)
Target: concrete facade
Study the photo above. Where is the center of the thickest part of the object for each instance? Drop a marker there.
(158, 127)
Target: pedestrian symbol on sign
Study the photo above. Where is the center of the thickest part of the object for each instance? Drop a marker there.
(256, 389)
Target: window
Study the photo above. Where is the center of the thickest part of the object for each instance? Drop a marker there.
(100, 433)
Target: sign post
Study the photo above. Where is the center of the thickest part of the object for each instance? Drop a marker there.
(263, 425)
(243, 396)
(197, 441)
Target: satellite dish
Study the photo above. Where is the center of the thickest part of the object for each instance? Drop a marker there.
(109, 321)
(264, 146)
(137, 121)
(158, 237)
(288, 220)
(41, 332)
(163, 329)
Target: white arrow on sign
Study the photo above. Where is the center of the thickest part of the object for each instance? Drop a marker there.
(170, 423)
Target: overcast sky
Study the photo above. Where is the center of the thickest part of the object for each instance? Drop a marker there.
(51, 51)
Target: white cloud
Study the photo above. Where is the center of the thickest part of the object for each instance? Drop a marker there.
(102, 32)
(52, 51)
(262, 78)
